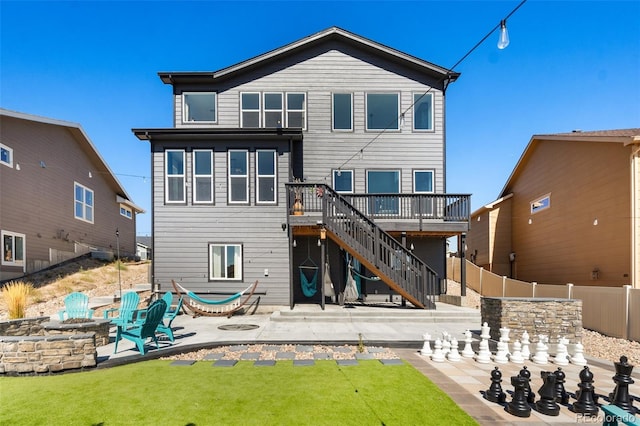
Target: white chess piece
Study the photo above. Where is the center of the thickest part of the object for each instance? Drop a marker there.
(426, 347)
(562, 356)
(541, 356)
(454, 355)
(526, 353)
(446, 344)
(485, 331)
(516, 357)
(501, 354)
(484, 354)
(437, 355)
(504, 334)
(578, 357)
(467, 352)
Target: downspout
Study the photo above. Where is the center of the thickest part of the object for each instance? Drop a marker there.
(289, 230)
(635, 211)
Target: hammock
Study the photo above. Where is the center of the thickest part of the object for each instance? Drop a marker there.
(327, 283)
(207, 307)
(350, 289)
(308, 284)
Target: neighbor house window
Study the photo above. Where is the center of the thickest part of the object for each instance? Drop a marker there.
(273, 110)
(266, 176)
(250, 110)
(423, 111)
(541, 203)
(174, 176)
(342, 110)
(83, 202)
(202, 176)
(383, 182)
(343, 181)
(199, 107)
(13, 249)
(6, 155)
(422, 181)
(225, 262)
(383, 111)
(297, 110)
(238, 176)
(126, 211)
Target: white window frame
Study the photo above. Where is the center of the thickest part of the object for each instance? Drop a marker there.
(274, 176)
(303, 110)
(415, 191)
(196, 177)
(126, 211)
(333, 113)
(415, 116)
(11, 260)
(539, 204)
(265, 110)
(387, 129)
(333, 180)
(230, 176)
(9, 163)
(185, 108)
(243, 110)
(168, 175)
(222, 273)
(86, 207)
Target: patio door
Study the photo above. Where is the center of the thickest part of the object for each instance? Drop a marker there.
(385, 182)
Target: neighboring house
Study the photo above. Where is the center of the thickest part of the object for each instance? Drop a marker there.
(144, 247)
(58, 197)
(272, 164)
(569, 213)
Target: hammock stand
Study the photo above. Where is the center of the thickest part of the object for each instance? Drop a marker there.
(215, 308)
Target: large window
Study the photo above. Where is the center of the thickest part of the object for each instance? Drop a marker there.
(174, 176)
(296, 110)
(13, 246)
(383, 182)
(250, 110)
(83, 203)
(383, 111)
(202, 176)
(422, 111)
(199, 107)
(266, 176)
(343, 181)
(225, 262)
(273, 110)
(342, 110)
(6, 155)
(238, 176)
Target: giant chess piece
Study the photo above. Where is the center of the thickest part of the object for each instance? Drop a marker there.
(528, 393)
(562, 397)
(501, 354)
(454, 355)
(485, 331)
(516, 357)
(467, 352)
(518, 405)
(562, 356)
(578, 356)
(526, 354)
(620, 395)
(484, 354)
(585, 403)
(504, 334)
(446, 342)
(437, 355)
(541, 356)
(547, 402)
(495, 393)
(426, 347)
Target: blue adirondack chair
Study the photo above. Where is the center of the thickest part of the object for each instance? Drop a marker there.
(128, 305)
(76, 305)
(139, 334)
(169, 315)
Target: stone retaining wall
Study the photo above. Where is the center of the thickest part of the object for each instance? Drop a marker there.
(46, 354)
(23, 327)
(549, 316)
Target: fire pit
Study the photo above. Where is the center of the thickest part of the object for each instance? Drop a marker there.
(80, 326)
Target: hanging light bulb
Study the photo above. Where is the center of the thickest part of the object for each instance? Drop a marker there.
(361, 155)
(503, 41)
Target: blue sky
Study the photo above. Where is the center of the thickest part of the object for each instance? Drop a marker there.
(570, 65)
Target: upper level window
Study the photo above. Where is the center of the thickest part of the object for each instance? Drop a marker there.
(199, 107)
(296, 110)
(342, 110)
(12, 248)
(423, 111)
(250, 110)
(541, 203)
(422, 181)
(225, 262)
(273, 110)
(202, 176)
(238, 176)
(126, 211)
(6, 155)
(266, 176)
(383, 111)
(83, 202)
(174, 176)
(343, 181)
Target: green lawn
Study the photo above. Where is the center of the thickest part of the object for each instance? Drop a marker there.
(154, 393)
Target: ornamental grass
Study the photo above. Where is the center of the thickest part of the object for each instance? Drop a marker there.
(16, 295)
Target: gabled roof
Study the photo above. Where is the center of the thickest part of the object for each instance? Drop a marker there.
(329, 34)
(622, 136)
(86, 145)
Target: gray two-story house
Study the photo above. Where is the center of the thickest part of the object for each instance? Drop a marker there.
(324, 156)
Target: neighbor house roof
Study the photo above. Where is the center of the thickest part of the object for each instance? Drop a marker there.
(329, 34)
(87, 147)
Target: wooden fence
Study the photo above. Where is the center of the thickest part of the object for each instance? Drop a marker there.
(613, 311)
